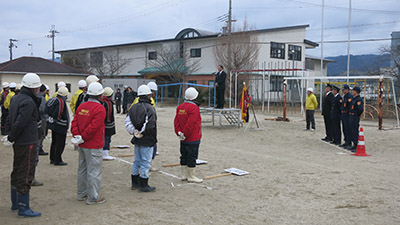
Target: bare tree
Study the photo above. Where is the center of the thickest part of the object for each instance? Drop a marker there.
(243, 45)
(393, 55)
(101, 63)
(174, 63)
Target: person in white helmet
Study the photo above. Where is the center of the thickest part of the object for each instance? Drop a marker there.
(4, 112)
(43, 118)
(23, 118)
(59, 85)
(109, 121)
(88, 130)
(82, 85)
(187, 125)
(141, 122)
(84, 97)
(11, 93)
(58, 124)
(311, 105)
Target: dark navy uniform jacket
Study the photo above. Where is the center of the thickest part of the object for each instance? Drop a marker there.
(335, 112)
(357, 106)
(346, 103)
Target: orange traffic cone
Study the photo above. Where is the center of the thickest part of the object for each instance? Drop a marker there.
(361, 144)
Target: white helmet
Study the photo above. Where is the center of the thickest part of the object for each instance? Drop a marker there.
(18, 87)
(5, 85)
(82, 83)
(63, 91)
(61, 84)
(191, 93)
(31, 80)
(12, 85)
(47, 87)
(310, 89)
(152, 85)
(144, 90)
(95, 89)
(108, 91)
(92, 78)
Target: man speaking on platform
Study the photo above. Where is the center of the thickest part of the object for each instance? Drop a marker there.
(220, 85)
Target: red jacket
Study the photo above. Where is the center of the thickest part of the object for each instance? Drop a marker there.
(188, 121)
(89, 123)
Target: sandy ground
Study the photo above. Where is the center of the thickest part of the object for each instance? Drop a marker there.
(295, 179)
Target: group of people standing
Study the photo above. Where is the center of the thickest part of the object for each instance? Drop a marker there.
(345, 110)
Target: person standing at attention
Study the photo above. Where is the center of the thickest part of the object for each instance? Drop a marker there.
(220, 85)
(88, 131)
(311, 105)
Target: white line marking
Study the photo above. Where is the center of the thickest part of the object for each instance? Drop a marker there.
(124, 161)
(171, 175)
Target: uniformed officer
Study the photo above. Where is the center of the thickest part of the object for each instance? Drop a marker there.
(335, 116)
(326, 112)
(344, 109)
(356, 109)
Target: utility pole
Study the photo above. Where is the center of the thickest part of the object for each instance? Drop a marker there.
(11, 46)
(230, 50)
(52, 35)
(322, 53)
(348, 44)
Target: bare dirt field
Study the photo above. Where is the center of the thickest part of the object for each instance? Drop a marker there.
(295, 179)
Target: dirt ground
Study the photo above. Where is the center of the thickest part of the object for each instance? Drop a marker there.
(295, 179)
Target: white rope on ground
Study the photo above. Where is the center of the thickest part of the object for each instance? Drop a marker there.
(162, 172)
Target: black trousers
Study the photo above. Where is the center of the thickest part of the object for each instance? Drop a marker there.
(118, 106)
(328, 127)
(220, 97)
(346, 128)
(310, 119)
(354, 121)
(337, 133)
(189, 153)
(4, 115)
(57, 146)
(23, 167)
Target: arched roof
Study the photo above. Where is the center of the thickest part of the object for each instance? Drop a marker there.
(192, 33)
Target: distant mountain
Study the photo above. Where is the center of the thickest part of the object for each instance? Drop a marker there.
(359, 64)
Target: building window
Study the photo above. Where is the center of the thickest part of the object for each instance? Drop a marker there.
(195, 52)
(276, 83)
(181, 49)
(294, 52)
(96, 59)
(192, 81)
(277, 50)
(152, 55)
(310, 64)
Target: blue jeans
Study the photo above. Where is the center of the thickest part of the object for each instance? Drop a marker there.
(107, 141)
(142, 161)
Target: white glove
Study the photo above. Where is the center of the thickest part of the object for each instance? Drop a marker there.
(77, 140)
(137, 134)
(181, 136)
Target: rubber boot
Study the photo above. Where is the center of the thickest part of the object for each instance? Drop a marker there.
(184, 173)
(14, 198)
(36, 183)
(23, 207)
(192, 178)
(144, 185)
(106, 157)
(135, 182)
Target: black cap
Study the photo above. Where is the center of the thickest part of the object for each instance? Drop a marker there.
(329, 85)
(336, 88)
(346, 86)
(357, 89)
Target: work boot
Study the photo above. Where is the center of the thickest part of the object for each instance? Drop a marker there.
(41, 152)
(191, 177)
(144, 185)
(106, 157)
(23, 207)
(353, 149)
(14, 198)
(135, 182)
(36, 183)
(184, 173)
(344, 145)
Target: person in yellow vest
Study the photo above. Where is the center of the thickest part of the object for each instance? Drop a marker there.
(47, 93)
(11, 94)
(311, 105)
(59, 85)
(4, 112)
(82, 88)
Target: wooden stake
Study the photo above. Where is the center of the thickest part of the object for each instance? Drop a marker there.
(215, 176)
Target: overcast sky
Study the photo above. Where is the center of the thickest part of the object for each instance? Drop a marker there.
(88, 23)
